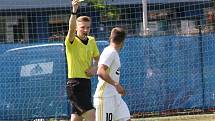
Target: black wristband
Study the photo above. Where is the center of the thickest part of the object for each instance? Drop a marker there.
(73, 13)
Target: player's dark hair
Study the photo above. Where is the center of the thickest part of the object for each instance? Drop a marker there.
(117, 35)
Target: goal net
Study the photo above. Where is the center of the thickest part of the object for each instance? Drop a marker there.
(167, 62)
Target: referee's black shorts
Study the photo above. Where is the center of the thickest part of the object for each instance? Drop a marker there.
(79, 94)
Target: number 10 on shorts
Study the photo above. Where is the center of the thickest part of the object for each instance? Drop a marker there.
(109, 117)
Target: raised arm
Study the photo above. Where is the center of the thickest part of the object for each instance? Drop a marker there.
(72, 20)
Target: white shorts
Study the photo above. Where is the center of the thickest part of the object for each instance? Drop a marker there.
(111, 109)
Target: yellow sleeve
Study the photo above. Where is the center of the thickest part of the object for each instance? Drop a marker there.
(95, 49)
(67, 40)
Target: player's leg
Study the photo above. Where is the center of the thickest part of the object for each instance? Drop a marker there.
(122, 111)
(104, 108)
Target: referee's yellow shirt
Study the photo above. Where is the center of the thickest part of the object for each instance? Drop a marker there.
(80, 56)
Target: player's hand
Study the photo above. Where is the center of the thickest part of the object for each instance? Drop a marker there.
(75, 5)
(91, 71)
(120, 89)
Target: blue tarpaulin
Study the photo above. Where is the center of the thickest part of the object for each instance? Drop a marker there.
(158, 73)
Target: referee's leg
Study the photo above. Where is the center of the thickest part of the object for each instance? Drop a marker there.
(76, 117)
(89, 115)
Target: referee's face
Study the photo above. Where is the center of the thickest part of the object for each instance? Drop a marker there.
(83, 29)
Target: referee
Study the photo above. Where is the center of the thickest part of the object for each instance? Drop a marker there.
(81, 50)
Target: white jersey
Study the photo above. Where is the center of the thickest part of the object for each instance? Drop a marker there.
(110, 58)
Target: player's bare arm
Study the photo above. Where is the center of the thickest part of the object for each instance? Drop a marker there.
(72, 20)
(102, 73)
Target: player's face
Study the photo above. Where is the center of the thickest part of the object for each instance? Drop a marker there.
(83, 29)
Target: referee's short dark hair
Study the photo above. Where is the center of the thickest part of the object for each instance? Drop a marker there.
(118, 35)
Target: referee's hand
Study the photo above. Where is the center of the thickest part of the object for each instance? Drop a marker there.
(91, 71)
(75, 5)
